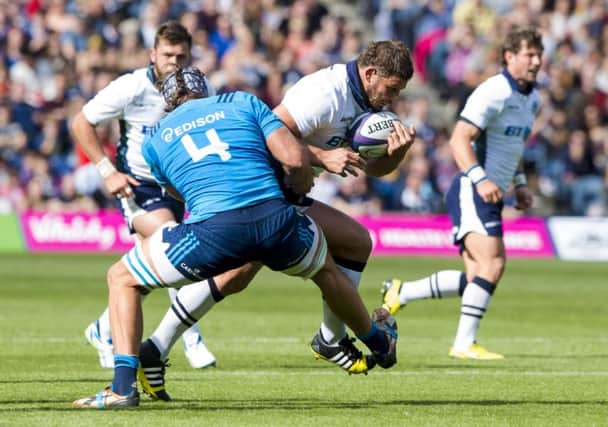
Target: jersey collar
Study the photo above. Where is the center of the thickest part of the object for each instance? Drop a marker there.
(525, 90)
(150, 73)
(356, 87)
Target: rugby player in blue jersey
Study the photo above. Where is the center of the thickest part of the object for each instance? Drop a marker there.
(488, 143)
(217, 154)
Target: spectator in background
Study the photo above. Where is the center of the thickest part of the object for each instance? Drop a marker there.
(477, 15)
(584, 181)
(354, 197)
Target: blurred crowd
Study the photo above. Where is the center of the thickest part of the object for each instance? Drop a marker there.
(56, 54)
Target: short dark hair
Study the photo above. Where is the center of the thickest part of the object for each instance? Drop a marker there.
(516, 35)
(173, 33)
(391, 57)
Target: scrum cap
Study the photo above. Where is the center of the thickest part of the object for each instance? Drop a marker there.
(188, 81)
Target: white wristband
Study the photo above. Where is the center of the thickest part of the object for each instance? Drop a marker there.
(476, 174)
(105, 167)
(519, 180)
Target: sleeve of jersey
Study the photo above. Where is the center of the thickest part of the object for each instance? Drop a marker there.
(268, 121)
(483, 105)
(309, 105)
(109, 103)
(151, 157)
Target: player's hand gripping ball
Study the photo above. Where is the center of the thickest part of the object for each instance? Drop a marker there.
(370, 133)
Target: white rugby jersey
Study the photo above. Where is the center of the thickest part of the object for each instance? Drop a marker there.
(323, 107)
(505, 117)
(132, 99)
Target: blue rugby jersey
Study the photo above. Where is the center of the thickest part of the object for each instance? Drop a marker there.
(213, 151)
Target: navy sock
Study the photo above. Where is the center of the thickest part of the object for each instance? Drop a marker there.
(125, 371)
(375, 340)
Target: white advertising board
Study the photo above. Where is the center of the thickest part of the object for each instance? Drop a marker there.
(580, 238)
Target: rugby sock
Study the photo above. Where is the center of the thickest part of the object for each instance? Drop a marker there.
(375, 340)
(193, 332)
(475, 300)
(190, 304)
(332, 327)
(125, 371)
(104, 326)
(446, 283)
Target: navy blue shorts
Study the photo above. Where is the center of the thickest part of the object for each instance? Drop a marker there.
(150, 197)
(469, 213)
(273, 233)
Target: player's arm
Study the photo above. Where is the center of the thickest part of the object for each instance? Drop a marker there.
(295, 159)
(106, 105)
(84, 133)
(523, 195)
(463, 135)
(398, 143)
(340, 160)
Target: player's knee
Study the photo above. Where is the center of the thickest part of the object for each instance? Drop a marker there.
(355, 242)
(495, 269)
(118, 276)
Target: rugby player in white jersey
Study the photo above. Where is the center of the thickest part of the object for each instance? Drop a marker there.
(134, 100)
(487, 143)
(319, 109)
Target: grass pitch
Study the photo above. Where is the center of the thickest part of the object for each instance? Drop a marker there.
(548, 317)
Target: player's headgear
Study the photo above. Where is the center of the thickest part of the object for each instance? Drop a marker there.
(183, 84)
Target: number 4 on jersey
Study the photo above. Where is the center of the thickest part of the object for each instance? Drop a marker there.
(216, 146)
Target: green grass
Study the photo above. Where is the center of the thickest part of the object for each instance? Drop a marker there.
(549, 318)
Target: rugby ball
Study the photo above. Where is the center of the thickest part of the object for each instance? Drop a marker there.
(370, 133)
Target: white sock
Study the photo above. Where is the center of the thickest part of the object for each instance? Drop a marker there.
(442, 284)
(189, 305)
(191, 334)
(475, 300)
(104, 326)
(332, 327)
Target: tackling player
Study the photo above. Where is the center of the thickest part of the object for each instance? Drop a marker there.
(216, 154)
(135, 102)
(487, 143)
(319, 109)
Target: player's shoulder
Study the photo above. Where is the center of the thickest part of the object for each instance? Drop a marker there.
(496, 86)
(329, 80)
(240, 100)
(134, 82)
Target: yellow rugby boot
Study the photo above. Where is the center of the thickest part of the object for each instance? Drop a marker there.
(474, 352)
(344, 354)
(390, 295)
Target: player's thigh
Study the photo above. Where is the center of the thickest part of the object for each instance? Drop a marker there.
(149, 222)
(237, 279)
(150, 264)
(346, 238)
(300, 249)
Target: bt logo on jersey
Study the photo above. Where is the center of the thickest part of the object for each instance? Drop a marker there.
(524, 132)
